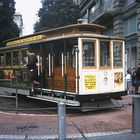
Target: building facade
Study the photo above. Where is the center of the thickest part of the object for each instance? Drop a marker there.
(122, 18)
(19, 21)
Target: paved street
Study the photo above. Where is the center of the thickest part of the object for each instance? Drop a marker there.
(94, 124)
(78, 126)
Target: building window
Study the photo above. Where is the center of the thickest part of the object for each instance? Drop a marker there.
(107, 5)
(130, 26)
(128, 2)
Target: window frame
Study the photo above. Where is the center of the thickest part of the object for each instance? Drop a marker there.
(95, 53)
(110, 48)
(2, 66)
(17, 65)
(128, 24)
(8, 66)
(122, 59)
(20, 52)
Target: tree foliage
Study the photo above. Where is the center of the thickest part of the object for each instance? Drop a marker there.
(8, 28)
(55, 13)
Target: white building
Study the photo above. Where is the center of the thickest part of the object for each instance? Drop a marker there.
(18, 20)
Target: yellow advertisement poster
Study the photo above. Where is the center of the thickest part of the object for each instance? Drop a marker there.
(90, 82)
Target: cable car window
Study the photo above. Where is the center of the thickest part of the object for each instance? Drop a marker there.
(71, 58)
(15, 58)
(1, 59)
(8, 59)
(117, 53)
(87, 29)
(104, 53)
(23, 57)
(88, 53)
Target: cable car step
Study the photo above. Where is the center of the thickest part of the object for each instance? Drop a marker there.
(55, 100)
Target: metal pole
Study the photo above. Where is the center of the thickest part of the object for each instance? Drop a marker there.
(16, 94)
(62, 121)
(136, 115)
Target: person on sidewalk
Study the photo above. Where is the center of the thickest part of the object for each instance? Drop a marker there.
(128, 81)
(32, 67)
(134, 82)
(138, 78)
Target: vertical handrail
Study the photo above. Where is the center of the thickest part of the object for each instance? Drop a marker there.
(38, 64)
(76, 74)
(62, 55)
(16, 94)
(41, 69)
(65, 59)
(65, 68)
(52, 64)
(49, 65)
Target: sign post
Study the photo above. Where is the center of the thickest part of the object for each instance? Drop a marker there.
(62, 121)
(136, 114)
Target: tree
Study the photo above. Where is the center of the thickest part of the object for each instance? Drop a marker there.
(55, 13)
(8, 28)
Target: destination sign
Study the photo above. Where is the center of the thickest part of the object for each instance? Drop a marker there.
(24, 40)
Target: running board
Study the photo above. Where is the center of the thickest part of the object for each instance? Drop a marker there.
(98, 105)
(55, 100)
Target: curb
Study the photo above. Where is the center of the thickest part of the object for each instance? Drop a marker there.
(55, 137)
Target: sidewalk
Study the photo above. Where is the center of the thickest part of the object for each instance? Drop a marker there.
(127, 136)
